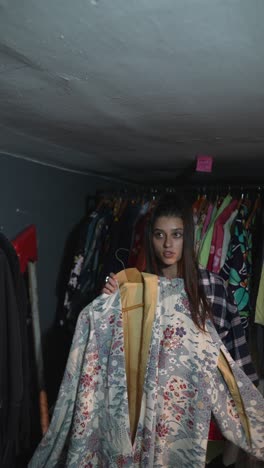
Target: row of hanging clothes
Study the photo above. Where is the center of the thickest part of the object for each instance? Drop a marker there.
(23, 410)
(109, 239)
(229, 240)
(14, 360)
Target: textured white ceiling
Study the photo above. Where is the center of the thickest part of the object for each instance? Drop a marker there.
(133, 88)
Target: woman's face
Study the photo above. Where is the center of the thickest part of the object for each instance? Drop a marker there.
(167, 239)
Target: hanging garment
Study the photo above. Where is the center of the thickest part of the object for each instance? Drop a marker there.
(227, 236)
(85, 272)
(139, 235)
(259, 314)
(206, 243)
(238, 265)
(227, 320)
(127, 220)
(256, 225)
(199, 217)
(14, 360)
(11, 371)
(207, 218)
(76, 268)
(218, 237)
(188, 374)
(90, 270)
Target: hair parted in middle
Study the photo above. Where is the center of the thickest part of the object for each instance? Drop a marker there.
(173, 205)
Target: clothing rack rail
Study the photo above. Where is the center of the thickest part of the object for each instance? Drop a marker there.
(197, 188)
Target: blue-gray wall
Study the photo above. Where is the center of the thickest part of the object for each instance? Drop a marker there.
(53, 200)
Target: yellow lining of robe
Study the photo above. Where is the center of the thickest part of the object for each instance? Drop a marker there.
(139, 303)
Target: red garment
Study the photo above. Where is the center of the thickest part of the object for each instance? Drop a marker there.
(141, 260)
(214, 432)
(138, 242)
(208, 218)
(137, 255)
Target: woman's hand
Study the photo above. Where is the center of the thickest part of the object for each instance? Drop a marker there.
(111, 284)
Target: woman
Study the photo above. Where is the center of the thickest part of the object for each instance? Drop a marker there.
(151, 406)
(170, 253)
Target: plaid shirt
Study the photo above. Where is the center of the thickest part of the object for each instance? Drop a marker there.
(227, 321)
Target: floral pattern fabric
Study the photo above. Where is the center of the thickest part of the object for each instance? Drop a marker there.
(90, 425)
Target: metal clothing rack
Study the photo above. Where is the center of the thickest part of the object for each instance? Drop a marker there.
(154, 191)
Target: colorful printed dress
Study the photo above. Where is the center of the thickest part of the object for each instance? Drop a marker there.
(183, 374)
(238, 265)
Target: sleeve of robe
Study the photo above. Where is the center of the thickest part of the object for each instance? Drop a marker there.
(238, 407)
(49, 453)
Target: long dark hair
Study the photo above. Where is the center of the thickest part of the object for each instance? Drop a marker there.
(187, 267)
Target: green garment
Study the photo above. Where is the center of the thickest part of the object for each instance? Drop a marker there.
(206, 243)
(259, 314)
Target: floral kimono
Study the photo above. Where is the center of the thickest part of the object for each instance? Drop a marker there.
(141, 382)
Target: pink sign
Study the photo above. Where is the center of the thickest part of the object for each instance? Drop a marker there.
(204, 163)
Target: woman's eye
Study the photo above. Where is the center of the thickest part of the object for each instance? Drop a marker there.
(178, 234)
(158, 235)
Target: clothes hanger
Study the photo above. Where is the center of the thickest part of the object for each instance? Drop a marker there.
(242, 196)
(118, 258)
